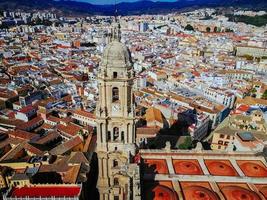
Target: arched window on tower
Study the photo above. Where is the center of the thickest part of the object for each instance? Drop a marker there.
(115, 163)
(116, 181)
(128, 132)
(115, 94)
(122, 136)
(115, 74)
(101, 131)
(109, 136)
(115, 133)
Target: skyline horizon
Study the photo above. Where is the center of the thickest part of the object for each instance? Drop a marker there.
(112, 2)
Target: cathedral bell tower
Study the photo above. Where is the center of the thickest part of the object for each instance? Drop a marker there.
(115, 117)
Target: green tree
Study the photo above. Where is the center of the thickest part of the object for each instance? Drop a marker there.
(258, 20)
(143, 69)
(253, 91)
(228, 30)
(187, 143)
(264, 96)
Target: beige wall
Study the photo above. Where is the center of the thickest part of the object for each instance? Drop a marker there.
(221, 141)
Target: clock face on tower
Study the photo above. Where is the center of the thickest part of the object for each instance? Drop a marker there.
(116, 108)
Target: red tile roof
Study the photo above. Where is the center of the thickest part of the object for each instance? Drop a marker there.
(84, 113)
(53, 119)
(21, 134)
(27, 109)
(46, 191)
(243, 108)
(32, 123)
(66, 146)
(70, 129)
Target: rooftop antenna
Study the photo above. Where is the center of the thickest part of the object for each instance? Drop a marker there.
(116, 11)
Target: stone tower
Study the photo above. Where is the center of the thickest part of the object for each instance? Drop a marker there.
(118, 177)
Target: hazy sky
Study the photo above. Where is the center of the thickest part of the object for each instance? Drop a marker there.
(112, 1)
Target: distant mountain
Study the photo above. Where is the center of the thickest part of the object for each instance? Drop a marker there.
(140, 7)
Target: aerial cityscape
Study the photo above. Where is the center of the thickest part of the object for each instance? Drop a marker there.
(133, 100)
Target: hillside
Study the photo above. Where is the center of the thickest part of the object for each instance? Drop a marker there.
(141, 7)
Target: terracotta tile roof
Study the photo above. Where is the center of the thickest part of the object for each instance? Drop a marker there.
(72, 174)
(47, 138)
(66, 146)
(46, 126)
(70, 129)
(53, 119)
(84, 113)
(11, 122)
(21, 134)
(4, 95)
(33, 150)
(77, 158)
(149, 131)
(4, 143)
(15, 141)
(44, 103)
(9, 156)
(46, 191)
(251, 101)
(34, 122)
(67, 98)
(154, 114)
(66, 120)
(27, 109)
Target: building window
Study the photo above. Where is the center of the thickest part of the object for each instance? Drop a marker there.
(116, 181)
(220, 142)
(122, 136)
(219, 147)
(228, 137)
(226, 143)
(115, 133)
(115, 94)
(109, 136)
(115, 163)
(115, 74)
(116, 198)
(221, 136)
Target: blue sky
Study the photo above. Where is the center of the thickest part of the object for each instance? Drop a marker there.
(112, 1)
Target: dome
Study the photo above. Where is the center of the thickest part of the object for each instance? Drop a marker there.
(116, 55)
(199, 193)
(220, 168)
(239, 193)
(184, 167)
(160, 192)
(253, 169)
(263, 190)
